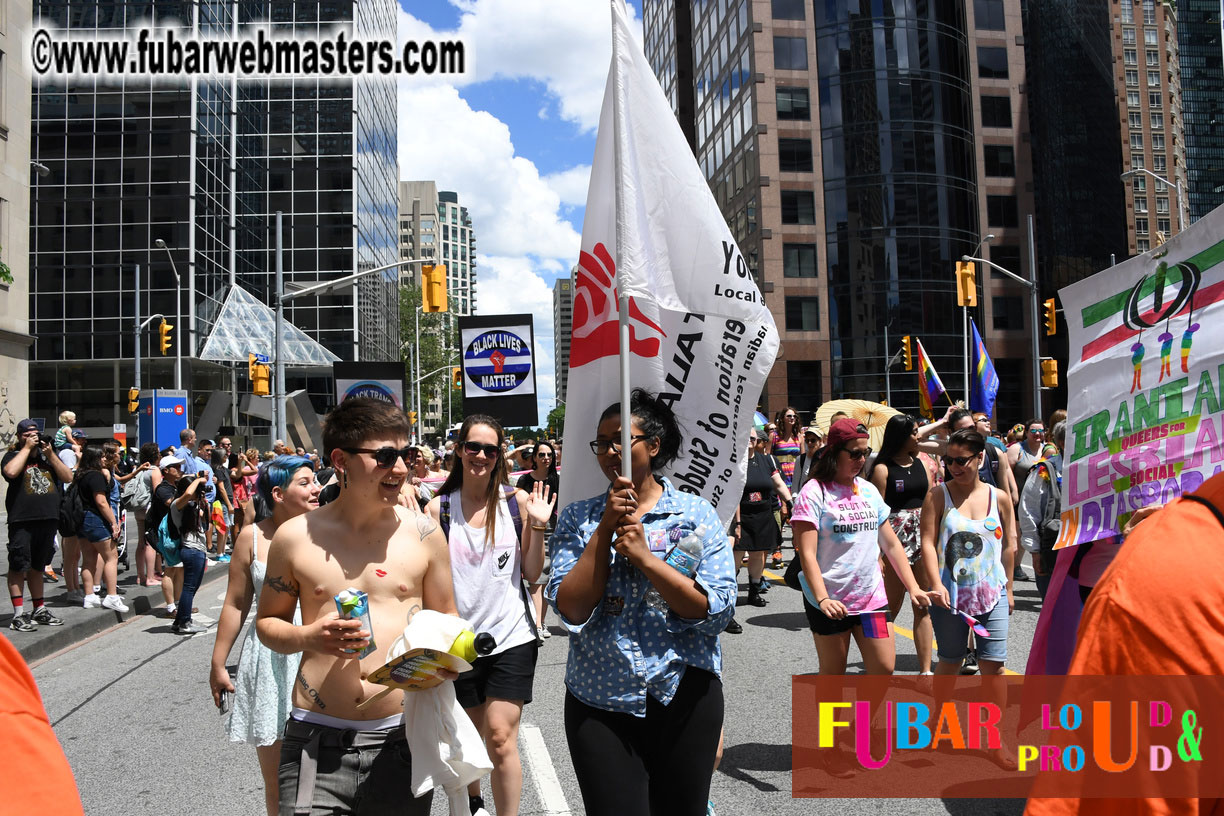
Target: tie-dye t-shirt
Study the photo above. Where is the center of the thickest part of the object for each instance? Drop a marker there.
(786, 452)
(969, 564)
(847, 520)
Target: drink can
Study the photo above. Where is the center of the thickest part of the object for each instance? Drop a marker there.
(353, 604)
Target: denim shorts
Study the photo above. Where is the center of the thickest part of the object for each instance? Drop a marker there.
(94, 529)
(952, 633)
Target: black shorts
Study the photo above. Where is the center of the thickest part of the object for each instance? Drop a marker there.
(822, 624)
(507, 675)
(31, 545)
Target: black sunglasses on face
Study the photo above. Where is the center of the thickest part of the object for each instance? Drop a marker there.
(959, 460)
(544, 454)
(490, 451)
(858, 454)
(601, 446)
(385, 457)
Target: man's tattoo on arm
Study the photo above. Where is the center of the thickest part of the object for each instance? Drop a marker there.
(289, 587)
(310, 692)
(426, 525)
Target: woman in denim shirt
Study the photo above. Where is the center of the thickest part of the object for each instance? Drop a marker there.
(644, 699)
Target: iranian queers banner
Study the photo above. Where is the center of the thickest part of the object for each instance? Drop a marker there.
(701, 335)
(1144, 383)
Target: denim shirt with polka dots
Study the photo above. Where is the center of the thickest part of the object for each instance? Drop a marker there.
(628, 649)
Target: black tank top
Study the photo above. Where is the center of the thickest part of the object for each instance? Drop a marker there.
(905, 487)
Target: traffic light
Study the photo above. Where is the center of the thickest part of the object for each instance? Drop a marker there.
(433, 288)
(1049, 373)
(163, 332)
(412, 418)
(908, 347)
(966, 284)
(133, 400)
(261, 376)
(456, 377)
(252, 367)
(1051, 317)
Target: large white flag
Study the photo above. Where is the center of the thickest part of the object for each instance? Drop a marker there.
(700, 333)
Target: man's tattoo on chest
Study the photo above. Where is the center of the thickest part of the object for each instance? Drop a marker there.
(289, 587)
(310, 692)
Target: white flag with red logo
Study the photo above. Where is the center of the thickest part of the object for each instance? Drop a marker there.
(700, 333)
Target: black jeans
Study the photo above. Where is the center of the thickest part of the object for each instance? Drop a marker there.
(659, 764)
(193, 573)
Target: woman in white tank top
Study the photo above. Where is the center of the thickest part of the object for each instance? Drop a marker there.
(489, 560)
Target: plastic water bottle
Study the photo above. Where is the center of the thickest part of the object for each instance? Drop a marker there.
(470, 645)
(684, 556)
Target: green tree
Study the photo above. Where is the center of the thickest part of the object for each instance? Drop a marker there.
(439, 343)
(556, 420)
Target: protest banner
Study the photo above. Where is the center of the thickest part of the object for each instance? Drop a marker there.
(1144, 382)
(701, 335)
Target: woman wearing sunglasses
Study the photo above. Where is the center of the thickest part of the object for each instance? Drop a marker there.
(490, 560)
(263, 687)
(785, 445)
(543, 470)
(841, 527)
(968, 547)
(644, 699)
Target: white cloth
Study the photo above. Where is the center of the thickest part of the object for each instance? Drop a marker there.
(447, 751)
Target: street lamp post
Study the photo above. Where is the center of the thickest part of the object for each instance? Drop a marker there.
(139, 328)
(1181, 219)
(281, 427)
(1035, 317)
(178, 302)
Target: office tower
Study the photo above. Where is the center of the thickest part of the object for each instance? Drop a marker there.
(16, 177)
(1148, 79)
(839, 142)
(204, 166)
(1202, 83)
(434, 225)
(563, 323)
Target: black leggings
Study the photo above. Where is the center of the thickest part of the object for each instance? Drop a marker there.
(658, 764)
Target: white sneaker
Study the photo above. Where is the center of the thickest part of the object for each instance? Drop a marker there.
(91, 601)
(114, 602)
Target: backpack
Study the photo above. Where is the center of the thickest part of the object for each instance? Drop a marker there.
(1051, 519)
(444, 521)
(166, 540)
(136, 494)
(71, 511)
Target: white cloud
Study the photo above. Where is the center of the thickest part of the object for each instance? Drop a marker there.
(564, 44)
(571, 185)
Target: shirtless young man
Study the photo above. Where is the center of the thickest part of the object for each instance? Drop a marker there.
(337, 758)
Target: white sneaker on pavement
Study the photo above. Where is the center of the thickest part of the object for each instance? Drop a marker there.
(91, 601)
(114, 602)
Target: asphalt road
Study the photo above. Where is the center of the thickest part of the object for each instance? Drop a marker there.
(134, 714)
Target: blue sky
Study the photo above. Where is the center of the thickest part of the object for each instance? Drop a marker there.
(513, 137)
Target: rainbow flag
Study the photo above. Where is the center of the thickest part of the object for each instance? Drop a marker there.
(930, 388)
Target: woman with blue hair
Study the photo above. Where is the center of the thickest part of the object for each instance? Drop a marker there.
(262, 689)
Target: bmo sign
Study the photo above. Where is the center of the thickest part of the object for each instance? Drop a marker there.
(163, 414)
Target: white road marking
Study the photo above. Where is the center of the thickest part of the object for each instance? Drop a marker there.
(540, 762)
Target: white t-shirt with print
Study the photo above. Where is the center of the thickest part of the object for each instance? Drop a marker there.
(847, 521)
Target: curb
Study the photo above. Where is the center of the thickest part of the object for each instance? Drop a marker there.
(141, 601)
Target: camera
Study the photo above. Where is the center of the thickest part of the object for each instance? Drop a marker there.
(46, 439)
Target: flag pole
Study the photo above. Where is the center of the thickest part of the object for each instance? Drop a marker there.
(622, 296)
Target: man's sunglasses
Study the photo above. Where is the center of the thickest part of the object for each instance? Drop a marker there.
(385, 457)
(490, 451)
(858, 454)
(961, 461)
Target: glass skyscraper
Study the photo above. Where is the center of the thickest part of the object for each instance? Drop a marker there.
(204, 167)
(1202, 82)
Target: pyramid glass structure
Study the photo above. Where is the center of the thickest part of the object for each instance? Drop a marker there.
(246, 326)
